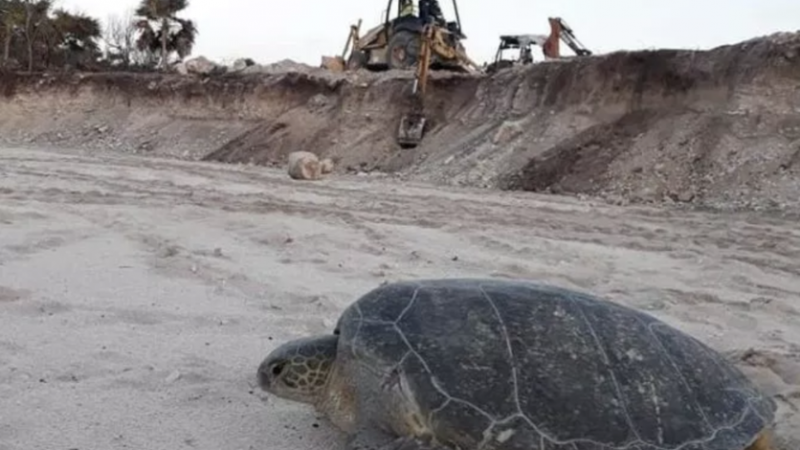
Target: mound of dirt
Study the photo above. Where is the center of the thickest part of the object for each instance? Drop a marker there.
(718, 128)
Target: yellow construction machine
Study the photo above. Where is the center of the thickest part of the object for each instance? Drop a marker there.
(407, 40)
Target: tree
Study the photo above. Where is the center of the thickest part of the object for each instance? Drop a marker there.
(31, 30)
(120, 40)
(12, 19)
(36, 22)
(74, 36)
(157, 20)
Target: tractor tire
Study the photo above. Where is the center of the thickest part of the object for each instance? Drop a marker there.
(403, 50)
(498, 66)
(357, 60)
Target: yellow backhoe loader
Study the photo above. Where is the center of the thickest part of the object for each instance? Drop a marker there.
(405, 41)
(396, 43)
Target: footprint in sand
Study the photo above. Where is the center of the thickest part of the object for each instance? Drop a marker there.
(771, 305)
(12, 295)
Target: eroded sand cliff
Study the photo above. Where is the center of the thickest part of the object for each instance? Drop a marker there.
(718, 128)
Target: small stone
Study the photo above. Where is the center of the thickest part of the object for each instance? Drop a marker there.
(173, 377)
(686, 196)
(326, 165)
(506, 133)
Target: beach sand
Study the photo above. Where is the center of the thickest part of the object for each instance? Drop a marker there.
(138, 295)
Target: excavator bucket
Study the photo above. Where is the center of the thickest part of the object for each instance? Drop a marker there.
(333, 63)
(338, 63)
(412, 127)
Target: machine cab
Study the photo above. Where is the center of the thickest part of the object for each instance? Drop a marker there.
(394, 19)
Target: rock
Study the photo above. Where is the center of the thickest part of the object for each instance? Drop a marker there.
(283, 66)
(256, 68)
(200, 65)
(506, 133)
(242, 63)
(326, 165)
(181, 68)
(685, 196)
(173, 377)
(304, 166)
(318, 101)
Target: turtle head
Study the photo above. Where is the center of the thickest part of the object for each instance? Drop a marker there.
(298, 370)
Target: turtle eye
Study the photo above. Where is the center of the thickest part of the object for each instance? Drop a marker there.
(277, 369)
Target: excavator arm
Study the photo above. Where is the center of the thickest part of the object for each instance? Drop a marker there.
(412, 124)
(559, 31)
(432, 42)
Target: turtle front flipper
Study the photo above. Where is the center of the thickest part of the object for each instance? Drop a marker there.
(375, 439)
(369, 438)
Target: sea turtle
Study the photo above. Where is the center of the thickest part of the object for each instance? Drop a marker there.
(480, 364)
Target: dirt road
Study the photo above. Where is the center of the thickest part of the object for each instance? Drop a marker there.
(137, 296)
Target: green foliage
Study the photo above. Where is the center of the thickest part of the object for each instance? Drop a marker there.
(35, 34)
(76, 31)
(162, 32)
(157, 9)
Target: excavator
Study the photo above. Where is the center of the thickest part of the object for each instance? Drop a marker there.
(405, 41)
(559, 31)
(395, 43)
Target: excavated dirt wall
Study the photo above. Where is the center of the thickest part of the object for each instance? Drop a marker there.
(718, 128)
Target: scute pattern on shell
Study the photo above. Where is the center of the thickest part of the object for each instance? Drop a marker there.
(507, 365)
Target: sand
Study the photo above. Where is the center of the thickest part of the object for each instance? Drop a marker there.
(138, 295)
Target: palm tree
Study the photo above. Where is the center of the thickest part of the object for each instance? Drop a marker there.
(163, 40)
(75, 34)
(29, 26)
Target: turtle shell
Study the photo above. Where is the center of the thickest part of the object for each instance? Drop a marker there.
(517, 365)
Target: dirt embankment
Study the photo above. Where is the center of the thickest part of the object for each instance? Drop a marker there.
(716, 128)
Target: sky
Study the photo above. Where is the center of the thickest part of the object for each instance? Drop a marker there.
(304, 30)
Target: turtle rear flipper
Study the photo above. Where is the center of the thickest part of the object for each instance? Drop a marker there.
(375, 439)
